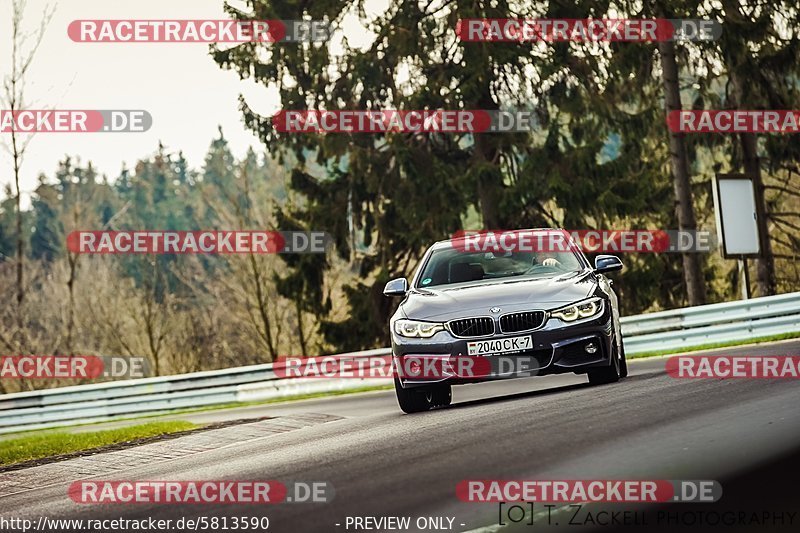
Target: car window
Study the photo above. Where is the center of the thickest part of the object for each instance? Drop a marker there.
(448, 266)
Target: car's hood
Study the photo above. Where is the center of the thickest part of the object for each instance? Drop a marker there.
(510, 294)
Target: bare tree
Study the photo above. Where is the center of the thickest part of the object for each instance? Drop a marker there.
(679, 162)
(740, 63)
(241, 204)
(681, 179)
(23, 49)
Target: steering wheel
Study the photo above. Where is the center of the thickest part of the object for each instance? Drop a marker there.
(542, 268)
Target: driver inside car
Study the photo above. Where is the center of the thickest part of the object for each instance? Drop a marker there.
(559, 260)
(547, 259)
(522, 261)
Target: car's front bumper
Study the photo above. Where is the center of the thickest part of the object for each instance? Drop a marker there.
(557, 349)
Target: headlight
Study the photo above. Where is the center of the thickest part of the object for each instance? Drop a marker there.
(585, 309)
(414, 328)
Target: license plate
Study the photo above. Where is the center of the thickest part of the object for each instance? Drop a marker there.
(500, 346)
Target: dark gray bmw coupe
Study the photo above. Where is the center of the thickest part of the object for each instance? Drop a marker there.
(549, 308)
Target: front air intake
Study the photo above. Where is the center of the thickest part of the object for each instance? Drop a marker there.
(472, 327)
(524, 321)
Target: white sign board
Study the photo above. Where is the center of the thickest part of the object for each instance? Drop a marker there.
(735, 206)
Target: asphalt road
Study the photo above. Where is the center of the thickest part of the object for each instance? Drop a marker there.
(743, 433)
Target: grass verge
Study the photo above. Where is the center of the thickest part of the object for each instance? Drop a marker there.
(50, 443)
(702, 347)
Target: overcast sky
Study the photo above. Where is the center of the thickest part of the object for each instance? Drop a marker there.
(179, 84)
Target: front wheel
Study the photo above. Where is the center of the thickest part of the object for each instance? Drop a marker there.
(416, 400)
(610, 373)
(623, 362)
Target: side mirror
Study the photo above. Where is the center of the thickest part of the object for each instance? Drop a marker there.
(396, 287)
(607, 263)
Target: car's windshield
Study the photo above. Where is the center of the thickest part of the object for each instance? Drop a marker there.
(449, 265)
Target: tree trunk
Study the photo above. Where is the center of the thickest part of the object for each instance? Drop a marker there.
(679, 160)
(17, 157)
(72, 261)
(301, 334)
(489, 187)
(14, 97)
(263, 311)
(738, 59)
(490, 180)
(765, 264)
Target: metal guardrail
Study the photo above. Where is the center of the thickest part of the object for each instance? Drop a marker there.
(82, 404)
(101, 402)
(707, 324)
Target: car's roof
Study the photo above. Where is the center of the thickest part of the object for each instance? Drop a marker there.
(463, 234)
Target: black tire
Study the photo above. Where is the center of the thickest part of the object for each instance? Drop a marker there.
(421, 399)
(608, 374)
(623, 362)
(441, 395)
